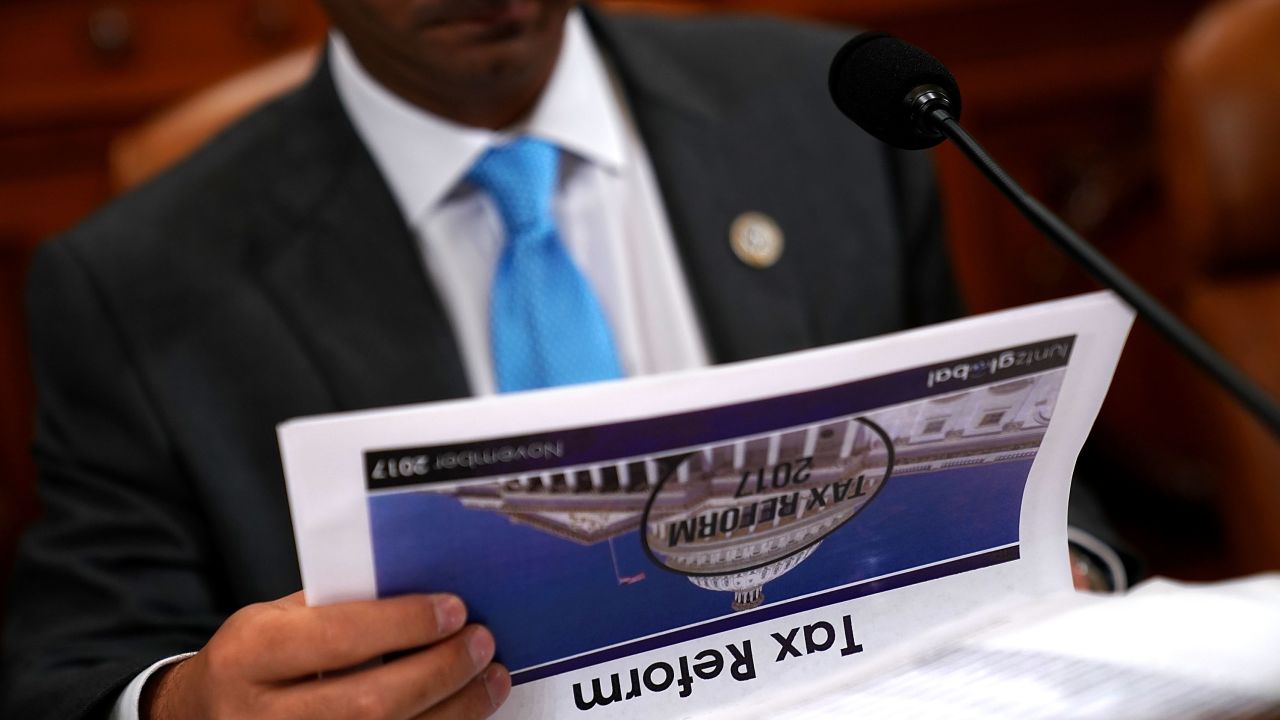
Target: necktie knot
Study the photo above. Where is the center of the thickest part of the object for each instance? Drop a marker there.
(520, 177)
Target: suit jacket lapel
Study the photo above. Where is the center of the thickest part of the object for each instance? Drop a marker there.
(346, 270)
(344, 267)
(745, 312)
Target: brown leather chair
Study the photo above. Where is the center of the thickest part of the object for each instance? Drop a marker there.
(1220, 119)
(170, 136)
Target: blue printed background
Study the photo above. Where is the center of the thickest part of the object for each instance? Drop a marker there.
(546, 598)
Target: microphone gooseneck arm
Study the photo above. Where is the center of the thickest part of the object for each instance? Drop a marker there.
(934, 113)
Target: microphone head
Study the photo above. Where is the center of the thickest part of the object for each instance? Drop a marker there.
(871, 78)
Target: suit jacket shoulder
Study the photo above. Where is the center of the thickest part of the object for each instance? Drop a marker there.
(170, 333)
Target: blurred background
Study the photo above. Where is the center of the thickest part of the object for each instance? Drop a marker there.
(1149, 125)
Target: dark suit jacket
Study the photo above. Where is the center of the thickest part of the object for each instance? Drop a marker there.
(271, 276)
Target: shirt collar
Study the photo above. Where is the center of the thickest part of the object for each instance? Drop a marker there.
(423, 156)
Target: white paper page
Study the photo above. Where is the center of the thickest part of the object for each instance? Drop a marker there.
(662, 545)
(1164, 651)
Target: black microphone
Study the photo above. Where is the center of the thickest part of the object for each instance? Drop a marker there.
(886, 86)
(906, 98)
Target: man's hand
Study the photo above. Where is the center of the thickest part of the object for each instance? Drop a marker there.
(266, 660)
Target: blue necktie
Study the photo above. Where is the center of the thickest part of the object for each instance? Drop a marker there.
(546, 326)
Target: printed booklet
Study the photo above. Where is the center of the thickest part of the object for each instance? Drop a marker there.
(662, 546)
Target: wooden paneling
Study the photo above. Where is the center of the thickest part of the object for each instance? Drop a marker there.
(66, 62)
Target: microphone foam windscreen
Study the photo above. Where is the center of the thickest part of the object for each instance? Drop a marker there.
(870, 79)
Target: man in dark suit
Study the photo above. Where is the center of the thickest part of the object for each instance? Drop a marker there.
(274, 274)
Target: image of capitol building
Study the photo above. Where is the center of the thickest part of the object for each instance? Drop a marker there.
(736, 515)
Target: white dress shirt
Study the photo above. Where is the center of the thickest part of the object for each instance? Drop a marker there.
(607, 206)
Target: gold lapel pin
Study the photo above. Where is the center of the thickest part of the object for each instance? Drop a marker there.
(756, 239)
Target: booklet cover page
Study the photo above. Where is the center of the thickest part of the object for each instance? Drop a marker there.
(660, 563)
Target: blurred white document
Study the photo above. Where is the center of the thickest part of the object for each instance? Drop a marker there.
(1166, 650)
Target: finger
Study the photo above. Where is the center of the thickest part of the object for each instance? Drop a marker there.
(402, 688)
(479, 699)
(285, 640)
(298, 599)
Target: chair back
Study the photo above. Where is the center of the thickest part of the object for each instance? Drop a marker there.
(1221, 122)
(174, 133)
